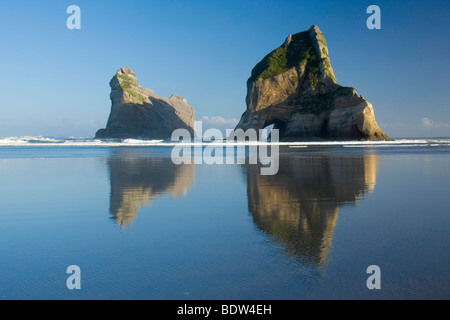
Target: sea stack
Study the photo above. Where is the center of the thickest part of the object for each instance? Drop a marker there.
(295, 89)
(137, 112)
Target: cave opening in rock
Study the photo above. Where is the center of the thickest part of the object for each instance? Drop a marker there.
(269, 125)
(267, 131)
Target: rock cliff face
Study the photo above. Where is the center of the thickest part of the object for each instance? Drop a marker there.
(137, 112)
(295, 89)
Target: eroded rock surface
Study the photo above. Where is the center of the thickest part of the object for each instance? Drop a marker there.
(138, 112)
(295, 88)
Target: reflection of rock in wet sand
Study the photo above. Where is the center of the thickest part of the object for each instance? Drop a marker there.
(135, 182)
(299, 206)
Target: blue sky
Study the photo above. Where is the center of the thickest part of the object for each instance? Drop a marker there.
(55, 80)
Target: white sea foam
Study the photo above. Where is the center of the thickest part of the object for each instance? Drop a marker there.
(88, 142)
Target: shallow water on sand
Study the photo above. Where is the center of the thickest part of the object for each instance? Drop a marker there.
(140, 227)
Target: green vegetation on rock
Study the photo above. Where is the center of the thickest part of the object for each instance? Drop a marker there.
(299, 52)
(127, 84)
(328, 68)
(313, 77)
(322, 39)
(294, 78)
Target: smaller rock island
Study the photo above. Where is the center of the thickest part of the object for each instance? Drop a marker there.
(138, 112)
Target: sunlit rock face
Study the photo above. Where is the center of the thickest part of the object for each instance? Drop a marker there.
(138, 112)
(299, 206)
(136, 182)
(295, 88)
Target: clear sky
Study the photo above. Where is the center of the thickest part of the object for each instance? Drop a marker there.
(55, 81)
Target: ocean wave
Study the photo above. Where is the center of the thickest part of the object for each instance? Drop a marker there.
(89, 142)
(82, 142)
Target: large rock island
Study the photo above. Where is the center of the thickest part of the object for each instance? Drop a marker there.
(295, 89)
(137, 112)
